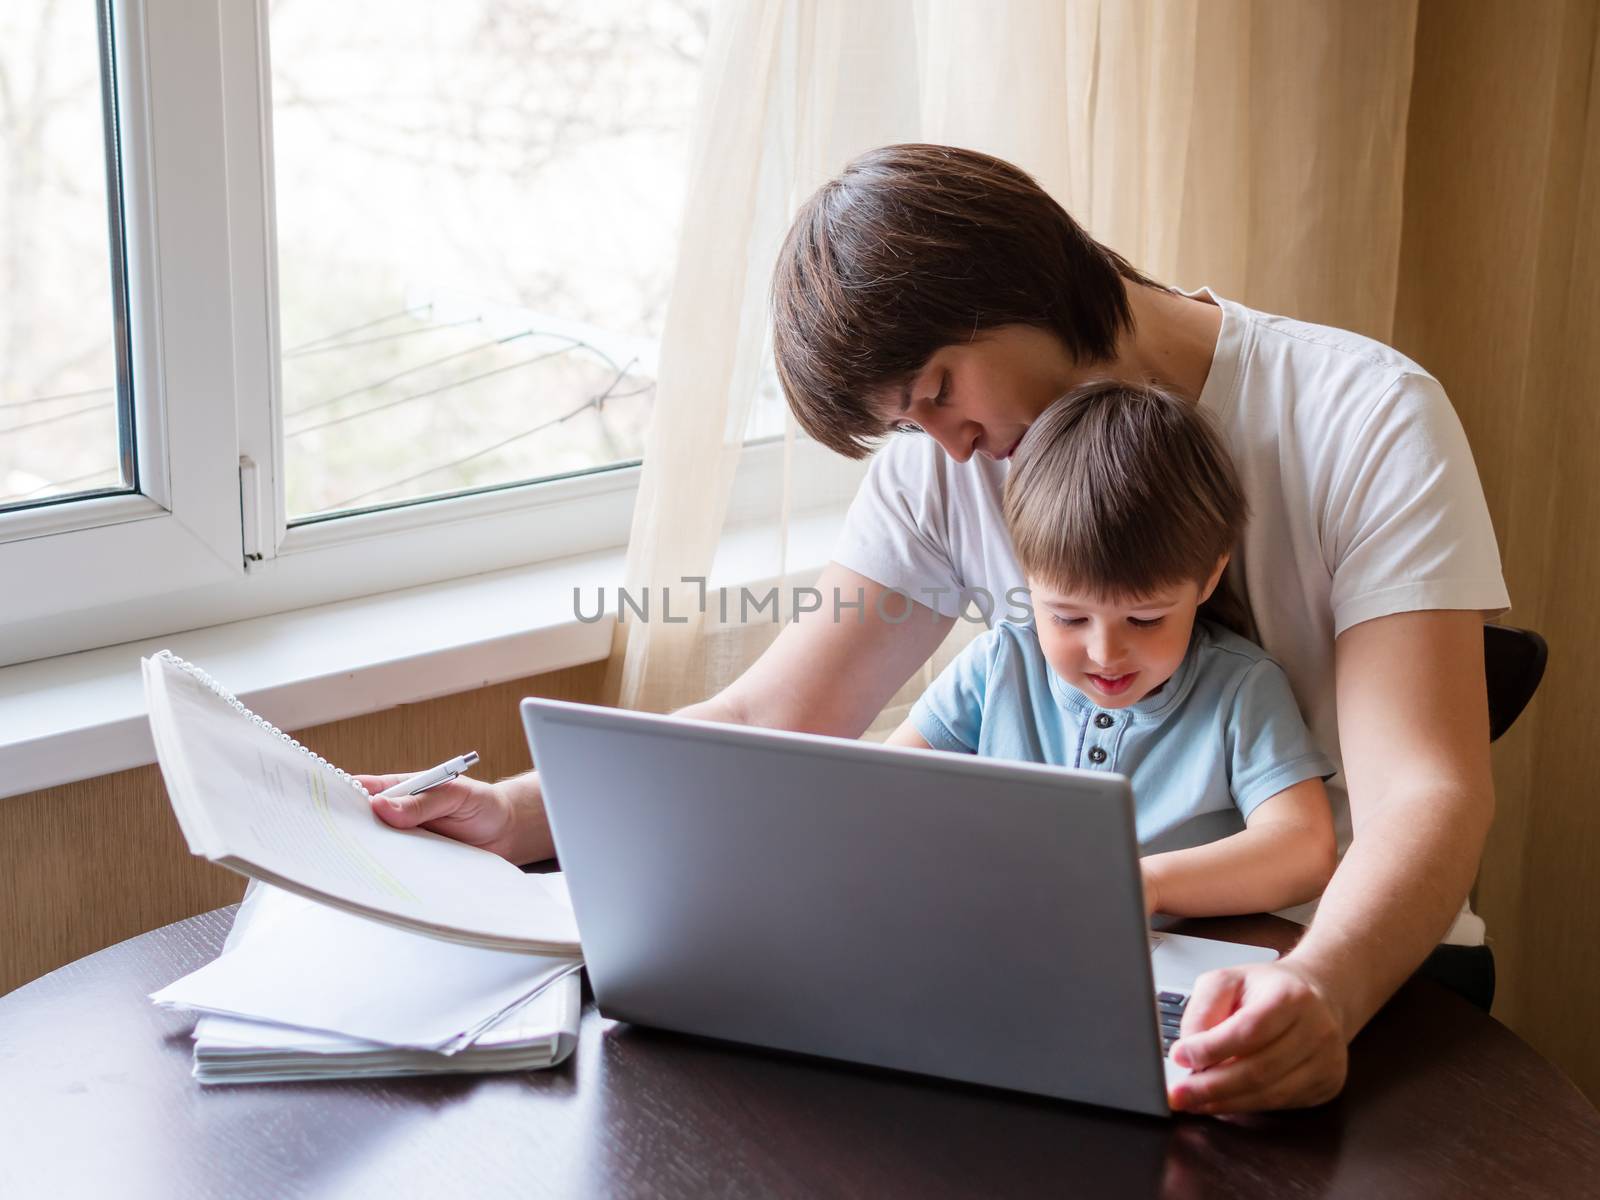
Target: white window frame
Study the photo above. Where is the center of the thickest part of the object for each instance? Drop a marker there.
(207, 541)
(68, 558)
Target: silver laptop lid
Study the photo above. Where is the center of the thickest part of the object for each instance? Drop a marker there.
(962, 917)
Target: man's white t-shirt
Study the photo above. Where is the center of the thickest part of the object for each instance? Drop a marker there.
(1364, 501)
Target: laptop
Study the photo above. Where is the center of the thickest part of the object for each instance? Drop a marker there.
(961, 917)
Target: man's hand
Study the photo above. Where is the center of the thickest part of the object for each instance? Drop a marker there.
(1414, 729)
(468, 810)
(1259, 1037)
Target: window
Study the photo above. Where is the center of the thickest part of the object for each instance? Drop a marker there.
(352, 297)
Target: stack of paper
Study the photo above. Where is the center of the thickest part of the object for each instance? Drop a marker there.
(539, 1034)
(305, 991)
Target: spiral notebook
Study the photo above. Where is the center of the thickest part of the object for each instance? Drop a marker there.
(249, 797)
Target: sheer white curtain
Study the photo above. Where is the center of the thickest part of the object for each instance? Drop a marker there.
(1254, 145)
(792, 89)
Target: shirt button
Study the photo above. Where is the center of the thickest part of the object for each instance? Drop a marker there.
(1097, 755)
(1103, 720)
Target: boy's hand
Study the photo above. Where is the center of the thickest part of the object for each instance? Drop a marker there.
(468, 810)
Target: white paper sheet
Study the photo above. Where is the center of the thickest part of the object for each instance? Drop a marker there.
(542, 1018)
(246, 797)
(308, 965)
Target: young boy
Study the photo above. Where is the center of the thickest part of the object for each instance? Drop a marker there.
(1123, 506)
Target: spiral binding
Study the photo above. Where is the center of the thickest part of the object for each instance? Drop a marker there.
(200, 676)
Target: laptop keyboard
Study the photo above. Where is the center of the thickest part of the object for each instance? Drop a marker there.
(1170, 1006)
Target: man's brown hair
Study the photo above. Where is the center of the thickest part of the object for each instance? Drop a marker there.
(1120, 491)
(915, 247)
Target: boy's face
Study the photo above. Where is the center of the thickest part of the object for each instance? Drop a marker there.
(1117, 652)
(979, 397)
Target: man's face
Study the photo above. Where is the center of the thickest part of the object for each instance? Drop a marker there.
(979, 397)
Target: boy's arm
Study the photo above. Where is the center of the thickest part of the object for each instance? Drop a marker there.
(907, 735)
(1285, 855)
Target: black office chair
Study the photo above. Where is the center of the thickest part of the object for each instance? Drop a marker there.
(1513, 665)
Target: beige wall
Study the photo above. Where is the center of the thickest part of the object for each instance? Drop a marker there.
(1500, 298)
(88, 864)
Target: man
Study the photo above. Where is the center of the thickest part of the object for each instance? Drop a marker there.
(942, 292)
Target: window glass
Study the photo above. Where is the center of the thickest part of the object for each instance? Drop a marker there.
(477, 207)
(65, 428)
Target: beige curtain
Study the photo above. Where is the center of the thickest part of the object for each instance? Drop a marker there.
(1256, 147)
(1499, 296)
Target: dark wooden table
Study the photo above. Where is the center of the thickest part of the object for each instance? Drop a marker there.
(96, 1099)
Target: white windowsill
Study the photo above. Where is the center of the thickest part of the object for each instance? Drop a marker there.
(83, 715)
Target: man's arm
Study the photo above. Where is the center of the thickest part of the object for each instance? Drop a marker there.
(1414, 729)
(833, 677)
(818, 676)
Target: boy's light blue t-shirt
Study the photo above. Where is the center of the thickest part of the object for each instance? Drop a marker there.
(1222, 735)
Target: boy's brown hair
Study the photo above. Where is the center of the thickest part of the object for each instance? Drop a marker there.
(915, 247)
(1120, 491)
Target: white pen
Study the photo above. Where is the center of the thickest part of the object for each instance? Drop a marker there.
(433, 777)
